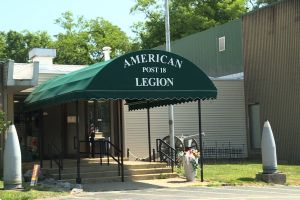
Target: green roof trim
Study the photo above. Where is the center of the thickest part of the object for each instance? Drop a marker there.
(142, 75)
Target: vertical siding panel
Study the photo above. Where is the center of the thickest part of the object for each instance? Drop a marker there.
(223, 120)
(273, 79)
(202, 49)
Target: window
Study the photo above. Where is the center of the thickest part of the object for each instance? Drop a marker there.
(222, 43)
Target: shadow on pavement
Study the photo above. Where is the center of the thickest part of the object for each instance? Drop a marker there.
(118, 186)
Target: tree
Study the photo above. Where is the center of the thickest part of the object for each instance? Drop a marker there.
(16, 45)
(260, 3)
(2, 46)
(83, 40)
(186, 17)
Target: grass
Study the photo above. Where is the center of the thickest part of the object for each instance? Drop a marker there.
(162, 176)
(28, 193)
(243, 173)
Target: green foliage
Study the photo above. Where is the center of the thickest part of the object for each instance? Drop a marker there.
(83, 40)
(261, 3)
(16, 45)
(256, 4)
(186, 17)
(162, 176)
(3, 55)
(3, 123)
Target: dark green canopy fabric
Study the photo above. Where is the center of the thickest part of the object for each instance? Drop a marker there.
(142, 104)
(151, 75)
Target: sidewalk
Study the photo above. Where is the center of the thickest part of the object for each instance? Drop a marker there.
(178, 189)
(139, 185)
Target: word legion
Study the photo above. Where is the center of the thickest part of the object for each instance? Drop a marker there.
(152, 58)
(160, 82)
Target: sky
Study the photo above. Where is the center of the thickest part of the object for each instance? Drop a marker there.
(39, 15)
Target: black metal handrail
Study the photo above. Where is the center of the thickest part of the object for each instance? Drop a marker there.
(168, 154)
(56, 156)
(105, 151)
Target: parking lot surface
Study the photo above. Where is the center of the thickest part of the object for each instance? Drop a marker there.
(150, 191)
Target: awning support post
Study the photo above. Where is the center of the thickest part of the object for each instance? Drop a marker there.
(149, 134)
(200, 139)
(121, 139)
(78, 179)
(92, 136)
(41, 138)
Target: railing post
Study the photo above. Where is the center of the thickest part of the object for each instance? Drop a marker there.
(119, 172)
(172, 161)
(153, 150)
(59, 173)
(106, 151)
(175, 158)
(78, 178)
(100, 153)
(229, 147)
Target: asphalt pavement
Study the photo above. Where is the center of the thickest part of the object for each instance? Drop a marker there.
(150, 191)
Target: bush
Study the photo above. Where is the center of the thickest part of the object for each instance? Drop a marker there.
(3, 123)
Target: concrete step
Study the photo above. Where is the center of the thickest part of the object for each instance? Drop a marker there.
(91, 168)
(148, 171)
(126, 178)
(143, 165)
(104, 167)
(92, 171)
(152, 176)
(111, 173)
(83, 162)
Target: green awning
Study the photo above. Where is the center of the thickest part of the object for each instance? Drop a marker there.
(150, 75)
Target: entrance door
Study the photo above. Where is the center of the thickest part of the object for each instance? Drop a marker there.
(99, 119)
(99, 122)
(71, 140)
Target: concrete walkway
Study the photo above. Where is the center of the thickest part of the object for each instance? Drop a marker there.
(178, 188)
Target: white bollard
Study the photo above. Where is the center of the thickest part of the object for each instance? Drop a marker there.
(268, 150)
(12, 176)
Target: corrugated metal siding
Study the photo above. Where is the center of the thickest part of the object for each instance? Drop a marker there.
(223, 121)
(203, 50)
(272, 71)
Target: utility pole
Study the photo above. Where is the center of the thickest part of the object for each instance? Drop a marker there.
(168, 48)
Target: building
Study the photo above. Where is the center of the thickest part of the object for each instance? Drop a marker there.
(264, 44)
(271, 49)
(55, 123)
(223, 123)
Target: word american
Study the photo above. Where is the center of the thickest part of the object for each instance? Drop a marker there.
(152, 58)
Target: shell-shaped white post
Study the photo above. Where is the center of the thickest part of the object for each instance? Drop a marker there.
(12, 164)
(268, 150)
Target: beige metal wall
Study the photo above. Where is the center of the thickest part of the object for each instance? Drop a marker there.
(223, 121)
(271, 42)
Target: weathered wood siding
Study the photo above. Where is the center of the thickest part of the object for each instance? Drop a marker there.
(223, 121)
(271, 45)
